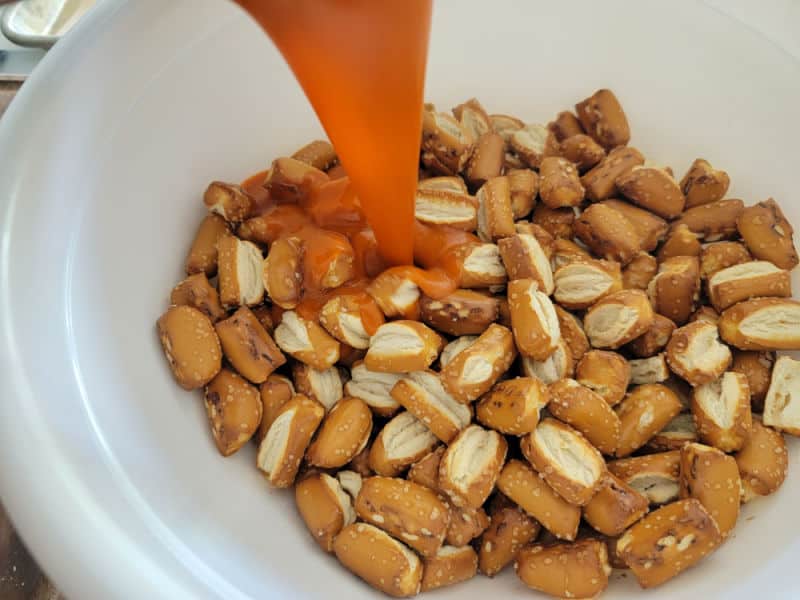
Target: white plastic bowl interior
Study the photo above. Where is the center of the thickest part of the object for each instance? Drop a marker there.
(108, 468)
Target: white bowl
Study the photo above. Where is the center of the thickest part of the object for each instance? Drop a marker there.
(107, 468)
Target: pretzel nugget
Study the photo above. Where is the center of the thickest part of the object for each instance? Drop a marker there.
(567, 461)
(656, 476)
(284, 446)
(487, 160)
(653, 189)
(721, 255)
(239, 269)
(463, 312)
(586, 411)
(615, 507)
(410, 512)
(768, 235)
(645, 411)
(396, 294)
(495, 218)
(318, 153)
(721, 411)
(452, 183)
(638, 273)
(306, 341)
(466, 524)
(763, 461)
(291, 180)
(505, 125)
(343, 434)
(473, 117)
(343, 317)
(703, 184)
(762, 324)
(202, 257)
(600, 181)
(714, 221)
(481, 265)
(781, 406)
(559, 184)
(757, 367)
(556, 366)
(533, 319)
(374, 388)
(472, 372)
(234, 410)
(695, 353)
(510, 529)
(403, 441)
(423, 394)
(523, 185)
(580, 284)
(446, 144)
(324, 506)
(451, 565)
(282, 272)
(526, 488)
(454, 348)
(565, 570)
(470, 466)
(618, 318)
(513, 406)
(566, 252)
(380, 560)
(324, 386)
(191, 346)
(532, 143)
(608, 233)
(606, 373)
(426, 470)
(669, 541)
(712, 477)
(582, 150)
(276, 391)
(197, 292)
(676, 433)
(446, 207)
(675, 288)
(402, 346)
(650, 228)
(558, 222)
(228, 201)
(748, 280)
(524, 258)
(248, 347)
(654, 339)
(572, 334)
(602, 117)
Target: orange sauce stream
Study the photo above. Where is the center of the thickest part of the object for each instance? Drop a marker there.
(361, 64)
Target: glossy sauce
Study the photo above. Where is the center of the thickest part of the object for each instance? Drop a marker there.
(361, 64)
(329, 222)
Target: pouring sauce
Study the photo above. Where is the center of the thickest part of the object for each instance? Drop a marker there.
(361, 63)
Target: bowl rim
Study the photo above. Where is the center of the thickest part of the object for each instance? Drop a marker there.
(79, 523)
